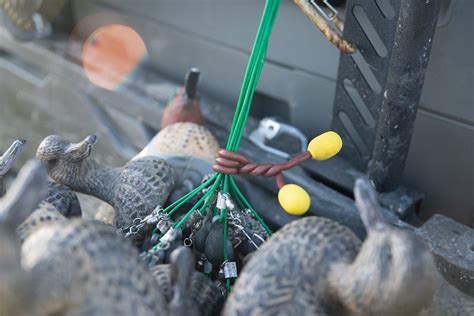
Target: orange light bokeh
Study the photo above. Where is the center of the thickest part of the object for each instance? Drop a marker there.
(111, 53)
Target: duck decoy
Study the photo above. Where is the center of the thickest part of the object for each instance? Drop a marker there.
(133, 190)
(185, 106)
(188, 292)
(7, 160)
(315, 266)
(78, 268)
(91, 270)
(182, 132)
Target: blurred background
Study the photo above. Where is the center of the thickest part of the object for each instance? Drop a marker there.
(128, 57)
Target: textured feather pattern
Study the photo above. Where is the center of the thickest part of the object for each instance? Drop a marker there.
(287, 276)
(46, 214)
(87, 269)
(63, 199)
(142, 185)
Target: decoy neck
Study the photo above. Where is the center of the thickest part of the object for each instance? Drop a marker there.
(70, 164)
(394, 272)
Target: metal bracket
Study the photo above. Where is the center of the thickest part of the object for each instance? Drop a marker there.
(269, 129)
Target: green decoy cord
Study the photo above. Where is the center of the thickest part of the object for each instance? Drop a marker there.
(225, 183)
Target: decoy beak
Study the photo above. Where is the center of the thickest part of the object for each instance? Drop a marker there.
(368, 206)
(91, 139)
(82, 149)
(190, 83)
(10, 156)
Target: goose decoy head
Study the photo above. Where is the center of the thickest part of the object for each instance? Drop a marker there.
(394, 272)
(54, 149)
(27, 191)
(10, 156)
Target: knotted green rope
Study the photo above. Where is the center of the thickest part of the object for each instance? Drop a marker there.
(221, 182)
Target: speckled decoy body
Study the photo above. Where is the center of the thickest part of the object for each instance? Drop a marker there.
(315, 266)
(193, 292)
(282, 278)
(63, 200)
(183, 139)
(7, 160)
(60, 203)
(45, 214)
(133, 190)
(88, 266)
(74, 268)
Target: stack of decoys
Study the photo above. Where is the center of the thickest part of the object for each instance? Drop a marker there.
(71, 268)
(183, 142)
(80, 267)
(315, 266)
(205, 232)
(311, 266)
(7, 160)
(192, 149)
(22, 19)
(133, 190)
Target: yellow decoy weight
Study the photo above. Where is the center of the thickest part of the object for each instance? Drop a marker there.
(325, 146)
(294, 199)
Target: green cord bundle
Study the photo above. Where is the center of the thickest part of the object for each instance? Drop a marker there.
(221, 182)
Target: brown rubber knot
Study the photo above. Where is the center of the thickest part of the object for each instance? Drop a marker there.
(229, 162)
